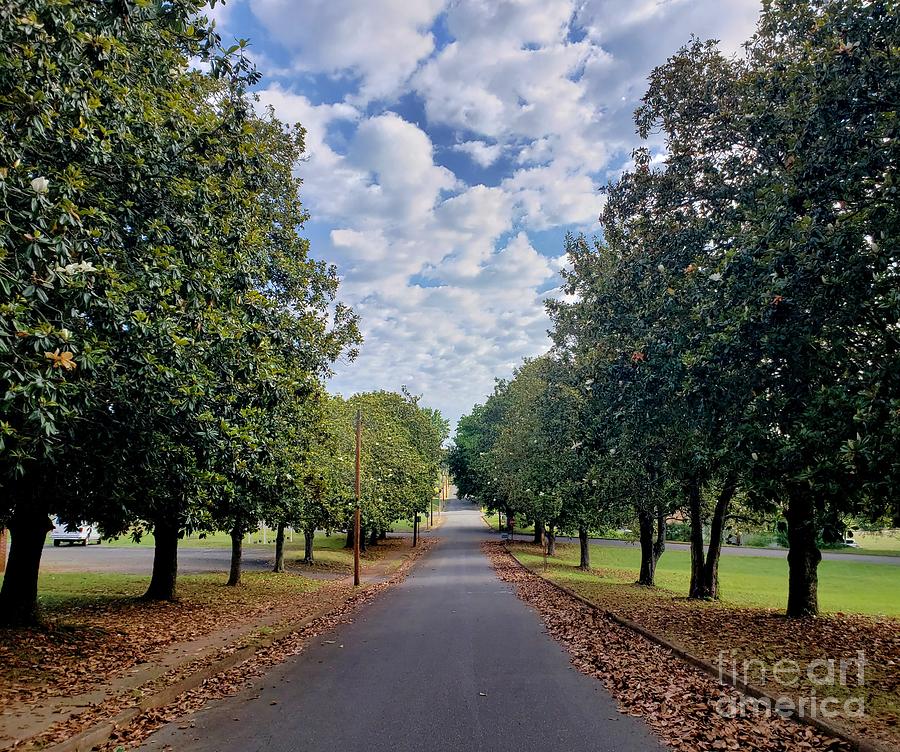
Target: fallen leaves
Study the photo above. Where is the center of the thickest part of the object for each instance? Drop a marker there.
(338, 599)
(676, 700)
(762, 638)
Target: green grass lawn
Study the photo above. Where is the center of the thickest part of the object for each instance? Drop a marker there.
(871, 544)
(61, 590)
(221, 539)
(490, 519)
(328, 549)
(849, 586)
(218, 539)
(876, 543)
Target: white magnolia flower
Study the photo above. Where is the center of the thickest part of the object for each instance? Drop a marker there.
(716, 277)
(661, 268)
(82, 267)
(40, 185)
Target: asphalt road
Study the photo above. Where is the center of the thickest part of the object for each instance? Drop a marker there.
(139, 559)
(450, 659)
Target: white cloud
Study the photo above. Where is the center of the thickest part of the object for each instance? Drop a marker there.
(481, 152)
(552, 196)
(399, 160)
(659, 27)
(380, 41)
(445, 275)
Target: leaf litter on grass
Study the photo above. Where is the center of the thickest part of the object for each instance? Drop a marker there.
(678, 701)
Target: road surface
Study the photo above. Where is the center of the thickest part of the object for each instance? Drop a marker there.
(450, 659)
(139, 559)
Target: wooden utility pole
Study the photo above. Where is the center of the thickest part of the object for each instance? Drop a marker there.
(356, 512)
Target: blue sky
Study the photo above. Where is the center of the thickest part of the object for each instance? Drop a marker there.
(451, 144)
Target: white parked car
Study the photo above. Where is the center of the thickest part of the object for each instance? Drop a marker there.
(84, 533)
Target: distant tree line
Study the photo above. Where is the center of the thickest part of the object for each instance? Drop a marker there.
(736, 330)
(165, 333)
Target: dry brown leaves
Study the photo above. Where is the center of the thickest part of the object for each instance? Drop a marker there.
(762, 637)
(676, 700)
(339, 597)
(80, 647)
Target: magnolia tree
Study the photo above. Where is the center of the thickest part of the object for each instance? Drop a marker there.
(116, 113)
(746, 288)
(792, 295)
(734, 334)
(400, 461)
(157, 301)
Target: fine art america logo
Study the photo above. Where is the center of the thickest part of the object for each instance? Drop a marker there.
(815, 686)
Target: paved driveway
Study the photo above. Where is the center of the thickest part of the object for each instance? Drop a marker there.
(450, 659)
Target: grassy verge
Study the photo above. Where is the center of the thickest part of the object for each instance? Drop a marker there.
(849, 586)
(63, 593)
(96, 625)
(331, 555)
(406, 526)
(747, 626)
(879, 544)
(491, 519)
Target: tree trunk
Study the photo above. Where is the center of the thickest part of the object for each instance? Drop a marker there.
(349, 543)
(539, 532)
(18, 597)
(415, 530)
(659, 545)
(647, 575)
(237, 550)
(710, 585)
(695, 509)
(585, 544)
(803, 558)
(373, 537)
(309, 536)
(362, 538)
(279, 548)
(382, 535)
(165, 563)
(551, 541)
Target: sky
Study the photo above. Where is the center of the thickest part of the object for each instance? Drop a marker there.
(451, 144)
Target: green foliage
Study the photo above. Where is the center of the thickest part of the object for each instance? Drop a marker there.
(679, 532)
(523, 451)
(736, 326)
(164, 330)
(401, 455)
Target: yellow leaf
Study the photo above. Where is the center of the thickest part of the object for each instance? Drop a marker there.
(62, 359)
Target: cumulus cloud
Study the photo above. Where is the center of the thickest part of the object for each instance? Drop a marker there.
(378, 41)
(481, 152)
(448, 277)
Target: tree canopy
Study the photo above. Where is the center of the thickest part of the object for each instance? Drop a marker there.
(734, 331)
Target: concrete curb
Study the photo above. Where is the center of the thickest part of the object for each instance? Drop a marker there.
(838, 732)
